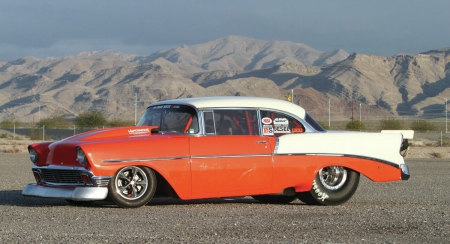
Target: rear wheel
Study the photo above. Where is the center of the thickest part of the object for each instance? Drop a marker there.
(274, 199)
(132, 187)
(333, 185)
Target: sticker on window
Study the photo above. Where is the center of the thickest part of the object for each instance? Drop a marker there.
(280, 121)
(297, 130)
(281, 129)
(267, 130)
(266, 121)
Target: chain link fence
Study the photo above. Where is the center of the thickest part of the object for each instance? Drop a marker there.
(437, 137)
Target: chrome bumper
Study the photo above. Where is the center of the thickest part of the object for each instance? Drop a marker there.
(76, 193)
(405, 171)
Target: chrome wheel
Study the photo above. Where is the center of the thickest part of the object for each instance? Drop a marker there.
(333, 185)
(333, 177)
(132, 186)
(131, 183)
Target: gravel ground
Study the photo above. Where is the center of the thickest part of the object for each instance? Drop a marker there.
(413, 211)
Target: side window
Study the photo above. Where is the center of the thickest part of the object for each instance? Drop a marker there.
(231, 122)
(209, 122)
(277, 124)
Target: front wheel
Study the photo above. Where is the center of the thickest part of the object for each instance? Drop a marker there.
(132, 186)
(333, 185)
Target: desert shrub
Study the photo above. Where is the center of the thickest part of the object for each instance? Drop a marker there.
(422, 126)
(355, 125)
(9, 123)
(119, 122)
(90, 119)
(437, 155)
(324, 125)
(390, 124)
(37, 134)
(55, 121)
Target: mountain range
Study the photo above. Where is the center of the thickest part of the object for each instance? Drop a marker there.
(116, 83)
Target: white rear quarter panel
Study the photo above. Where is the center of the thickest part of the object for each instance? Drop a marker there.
(381, 146)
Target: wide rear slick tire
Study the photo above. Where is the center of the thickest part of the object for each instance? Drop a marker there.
(333, 185)
(132, 186)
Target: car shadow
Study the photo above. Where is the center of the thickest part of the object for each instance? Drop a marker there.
(15, 198)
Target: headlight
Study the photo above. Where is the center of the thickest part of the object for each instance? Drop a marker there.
(81, 157)
(33, 155)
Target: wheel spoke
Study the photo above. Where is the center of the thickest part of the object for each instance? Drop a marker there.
(142, 183)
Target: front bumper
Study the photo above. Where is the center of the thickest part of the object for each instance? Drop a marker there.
(72, 193)
(405, 171)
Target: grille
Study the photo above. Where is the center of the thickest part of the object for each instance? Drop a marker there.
(61, 176)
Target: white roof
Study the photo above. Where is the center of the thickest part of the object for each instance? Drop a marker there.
(238, 102)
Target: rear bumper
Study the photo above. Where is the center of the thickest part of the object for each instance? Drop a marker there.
(405, 171)
(75, 193)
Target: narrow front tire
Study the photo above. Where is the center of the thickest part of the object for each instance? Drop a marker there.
(132, 187)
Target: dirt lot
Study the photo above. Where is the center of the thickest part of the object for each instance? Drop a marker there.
(412, 211)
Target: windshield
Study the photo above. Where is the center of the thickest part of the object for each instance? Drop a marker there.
(173, 118)
(313, 123)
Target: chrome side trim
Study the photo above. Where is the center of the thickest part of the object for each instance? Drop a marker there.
(137, 160)
(232, 156)
(76, 194)
(343, 155)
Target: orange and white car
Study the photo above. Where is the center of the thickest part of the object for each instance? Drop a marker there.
(213, 147)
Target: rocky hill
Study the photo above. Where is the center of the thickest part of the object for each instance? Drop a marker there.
(404, 84)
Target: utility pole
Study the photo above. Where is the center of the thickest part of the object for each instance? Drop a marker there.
(292, 95)
(359, 112)
(329, 113)
(135, 108)
(352, 109)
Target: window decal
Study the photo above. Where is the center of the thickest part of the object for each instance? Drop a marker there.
(266, 120)
(267, 130)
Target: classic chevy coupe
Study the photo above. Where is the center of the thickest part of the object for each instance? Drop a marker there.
(215, 147)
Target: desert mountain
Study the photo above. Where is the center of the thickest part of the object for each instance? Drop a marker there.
(404, 84)
(244, 53)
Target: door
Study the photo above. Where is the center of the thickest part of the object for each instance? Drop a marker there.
(233, 158)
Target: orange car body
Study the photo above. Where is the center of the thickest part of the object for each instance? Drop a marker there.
(196, 163)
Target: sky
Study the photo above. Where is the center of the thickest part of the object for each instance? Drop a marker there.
(55, 28)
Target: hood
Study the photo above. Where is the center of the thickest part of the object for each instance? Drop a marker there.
(112, 133)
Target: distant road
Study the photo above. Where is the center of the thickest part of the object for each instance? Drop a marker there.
(413, 211)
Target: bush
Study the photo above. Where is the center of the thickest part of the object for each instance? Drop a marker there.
(36, 134)
(4, 136)
(119, 122)
(422, 126)
(355, 125)
(324, 125)
(390, 124)
(55, 121)
(90, 119)
(9, 123)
